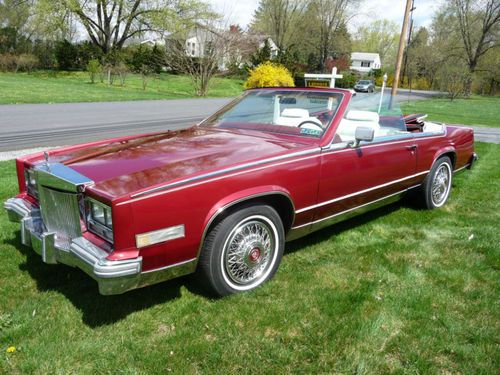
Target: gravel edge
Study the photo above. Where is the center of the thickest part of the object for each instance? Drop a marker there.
(10, 155)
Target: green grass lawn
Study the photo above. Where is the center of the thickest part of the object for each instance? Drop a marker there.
(399, 290)
(66, 87)
(477, 110)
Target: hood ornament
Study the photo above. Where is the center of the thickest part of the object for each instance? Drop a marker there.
(46, 156)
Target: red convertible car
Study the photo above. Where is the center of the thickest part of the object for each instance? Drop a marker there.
(222, 197)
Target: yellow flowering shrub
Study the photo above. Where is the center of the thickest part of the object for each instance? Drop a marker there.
(269, 74)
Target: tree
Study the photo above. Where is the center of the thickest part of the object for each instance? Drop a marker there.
(110, 23)
(279, 19)
(93, 68)
(453, 80)
(14, 26)
(478, 24)
(261, 55)
(66, 55)
(381, 36)
(331, 15)
(201, 61)
(488, 72)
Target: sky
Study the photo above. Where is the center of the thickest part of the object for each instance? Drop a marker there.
(241, 11)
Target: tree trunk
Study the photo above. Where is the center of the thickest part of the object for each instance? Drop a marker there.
(468, 87)
(493, 87)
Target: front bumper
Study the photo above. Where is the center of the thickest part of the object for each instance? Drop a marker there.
(113, 277)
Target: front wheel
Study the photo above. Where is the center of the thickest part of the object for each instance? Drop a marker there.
(437, 184)
(242, 251)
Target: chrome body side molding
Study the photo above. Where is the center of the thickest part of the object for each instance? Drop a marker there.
(462, 168)
(360, 192)
(220, 172)
(304, 229)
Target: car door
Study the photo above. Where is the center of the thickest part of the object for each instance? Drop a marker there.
(355, 179)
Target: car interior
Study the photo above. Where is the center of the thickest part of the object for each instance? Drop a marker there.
(309, 113)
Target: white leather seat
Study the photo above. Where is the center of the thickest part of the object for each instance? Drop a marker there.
(353, 119)
(295, 117)
(432, 127)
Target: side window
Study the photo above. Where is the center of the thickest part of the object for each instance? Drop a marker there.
(363, 111)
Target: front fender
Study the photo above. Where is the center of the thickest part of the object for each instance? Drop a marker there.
(240, 197)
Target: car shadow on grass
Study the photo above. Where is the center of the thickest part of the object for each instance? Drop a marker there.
(82, 291)
(338, 228)
(98, 310)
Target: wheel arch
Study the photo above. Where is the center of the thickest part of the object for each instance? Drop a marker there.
(276, 197)
(448, 151)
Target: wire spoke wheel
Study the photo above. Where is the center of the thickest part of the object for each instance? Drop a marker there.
(242, 251)
(441, 185)
(249, 252)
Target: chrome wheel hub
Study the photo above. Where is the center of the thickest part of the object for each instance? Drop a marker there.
(249, 252)
(440, 185)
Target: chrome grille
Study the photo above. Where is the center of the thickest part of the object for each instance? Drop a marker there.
(61, 215)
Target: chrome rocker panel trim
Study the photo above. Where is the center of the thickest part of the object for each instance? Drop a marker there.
(305, 229)
(113, 277)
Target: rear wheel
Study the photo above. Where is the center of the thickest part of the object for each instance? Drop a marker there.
(242, 251)
(437, 185)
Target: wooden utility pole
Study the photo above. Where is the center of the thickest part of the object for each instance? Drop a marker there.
(401, 49)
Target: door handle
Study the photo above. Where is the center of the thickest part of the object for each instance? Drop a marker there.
(412, 148)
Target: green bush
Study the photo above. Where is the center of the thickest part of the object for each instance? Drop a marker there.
(143, 55)
(66, 55)
(94, 68)
(87, 51)
(26, 62)
(8, 62)
(269, 74)
(347, 81)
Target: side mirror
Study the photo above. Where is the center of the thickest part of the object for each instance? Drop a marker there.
(363, 133)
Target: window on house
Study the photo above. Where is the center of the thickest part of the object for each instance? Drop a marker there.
(365, 64)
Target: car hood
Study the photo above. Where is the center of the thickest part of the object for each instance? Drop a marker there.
(120, 168)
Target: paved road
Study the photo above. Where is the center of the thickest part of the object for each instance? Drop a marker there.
(38, 125)
(490, 135)
(34, 125)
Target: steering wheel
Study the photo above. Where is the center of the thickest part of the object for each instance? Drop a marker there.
(309, 123)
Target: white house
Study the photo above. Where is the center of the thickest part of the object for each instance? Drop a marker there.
(153, 42)
(243, 44)
(364, 62)
(198, 40)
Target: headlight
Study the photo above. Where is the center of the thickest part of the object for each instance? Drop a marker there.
(30, 181)
(99, 219)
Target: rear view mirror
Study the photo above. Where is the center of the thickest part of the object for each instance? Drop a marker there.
(363, 133)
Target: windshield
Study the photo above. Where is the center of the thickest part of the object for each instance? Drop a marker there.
(305, 113)
(374, 112)
(364, 82)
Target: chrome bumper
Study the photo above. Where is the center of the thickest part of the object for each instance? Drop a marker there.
(113, 277)
(473, 160)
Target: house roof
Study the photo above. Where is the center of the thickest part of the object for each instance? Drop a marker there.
(365, 56)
